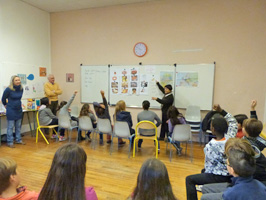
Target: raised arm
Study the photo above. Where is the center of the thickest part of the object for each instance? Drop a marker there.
(160, 87)
(232, 123)
(253, 113)
(71, 100)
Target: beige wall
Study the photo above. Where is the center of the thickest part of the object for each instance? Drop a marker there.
(231, 33)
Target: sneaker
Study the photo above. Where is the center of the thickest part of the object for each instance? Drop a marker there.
(179, 152)
(62, 138)
(54, 136)
(122, 143)
(20, 142)
(109, 141)
(199, 188)
(11, 145)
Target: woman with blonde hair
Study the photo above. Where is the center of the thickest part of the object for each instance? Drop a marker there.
(12, 101)
(124, 116)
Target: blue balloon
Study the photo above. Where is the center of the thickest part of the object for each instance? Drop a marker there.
(30, 77)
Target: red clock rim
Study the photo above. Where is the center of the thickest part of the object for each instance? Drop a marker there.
(144, 45)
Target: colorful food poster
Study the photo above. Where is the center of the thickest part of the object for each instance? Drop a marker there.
(114, 81)
(125, 81)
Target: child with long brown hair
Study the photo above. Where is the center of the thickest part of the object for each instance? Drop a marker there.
(66, 178)
(86, 111)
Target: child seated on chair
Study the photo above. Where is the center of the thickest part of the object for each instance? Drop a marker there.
(153, 182)
(240, 118)
(215, 170)
(46, 117)
(241, 165)
(10, 180)
(102, 112)
(174, 118)
(86, 111)
(124, 116)
(148, 115)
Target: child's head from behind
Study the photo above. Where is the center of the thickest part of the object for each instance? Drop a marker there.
(61, 105)
(68, 169)
(8, 174)
(240, 157)
(146, 105)
(120, 106)
(153, 181)
(240, 119)
(219, 126)
(85, 109)
(173, 112)
(252, 127)
(45, 101)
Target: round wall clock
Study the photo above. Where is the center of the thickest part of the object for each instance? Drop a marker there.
(140, 49)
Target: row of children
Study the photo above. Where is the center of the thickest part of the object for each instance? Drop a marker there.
(216, 170)
(152, 182)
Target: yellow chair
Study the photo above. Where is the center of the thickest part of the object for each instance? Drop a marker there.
(263, 132)
(145, 125)
(39, 129)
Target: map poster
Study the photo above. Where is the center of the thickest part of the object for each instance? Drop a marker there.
(187, 79)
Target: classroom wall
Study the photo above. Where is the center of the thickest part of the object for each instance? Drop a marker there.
(25, 41)
(231, 33)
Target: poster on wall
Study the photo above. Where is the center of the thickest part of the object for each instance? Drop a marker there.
(69, 77)
(187, 79)
(23, 78)
(166, 77)
(42, 71)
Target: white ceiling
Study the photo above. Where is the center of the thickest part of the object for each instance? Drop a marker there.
(66, 5)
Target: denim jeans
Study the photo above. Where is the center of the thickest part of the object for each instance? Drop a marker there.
(10, 126)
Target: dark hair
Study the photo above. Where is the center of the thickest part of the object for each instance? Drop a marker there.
(61, 105)
(146, 105)
(84, 110)
(240, 118)
(173, 114)
(253, 127)
(220, 125)
(153, 182)
(65, 179)
(99, 110)
(244, 164)
(45, 101)
(8, 167)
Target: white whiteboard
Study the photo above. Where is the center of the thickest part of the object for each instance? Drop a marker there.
(200, 94)
(93, 80)
(144, 83)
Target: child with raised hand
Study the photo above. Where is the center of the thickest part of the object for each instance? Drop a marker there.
(215, 170)
(10, 180)
(153, 182)
(66, 178)
(46, 117)
(175, 117)
(240, 119)
(86, 111)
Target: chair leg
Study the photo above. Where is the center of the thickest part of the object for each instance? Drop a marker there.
(156, 148)
(112, 145)
(130, 140)
(37, 135)
(134, 147)
(170, 153)
(191, 151)
(70, 136)
(43, 136)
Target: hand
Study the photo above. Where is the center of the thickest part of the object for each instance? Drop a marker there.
(253, 104)
(75, 92)
(217, 108)
(156, 81)
(154, 98)
(102, 92)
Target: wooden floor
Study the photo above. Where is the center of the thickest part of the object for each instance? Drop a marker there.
(113, 176)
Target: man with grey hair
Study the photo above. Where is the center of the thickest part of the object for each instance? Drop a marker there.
(52, 90)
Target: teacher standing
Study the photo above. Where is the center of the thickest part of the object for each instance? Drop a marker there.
(166, 101)
(52, 90)
(12, 101)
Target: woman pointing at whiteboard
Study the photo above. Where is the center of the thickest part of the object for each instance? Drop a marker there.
(166, 101)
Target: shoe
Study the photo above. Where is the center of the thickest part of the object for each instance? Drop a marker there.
(122, 143)
(161, 139)
(158, 151)
(54, 136)
(20, 142)
(199, 188)
(176, 147)
(89, 139)
(109, 141)
(101, 142)
(179, 152)
(11, 145)
(62, 138)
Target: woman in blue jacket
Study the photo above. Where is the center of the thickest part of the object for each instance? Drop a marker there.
(13, 94)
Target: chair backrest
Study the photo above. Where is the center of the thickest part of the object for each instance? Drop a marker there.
(121, 129)
(146, 125)
(85, 123)
(181, 132)
(104, 125)
(64, 121)
(193, 113)
(74, 111)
